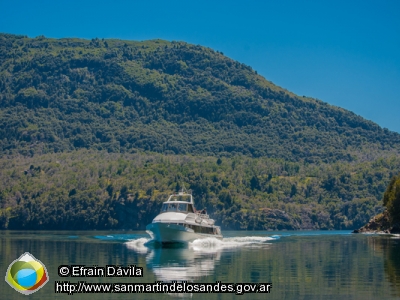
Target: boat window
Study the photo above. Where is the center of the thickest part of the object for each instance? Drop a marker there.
(172, 207)
(164, 207)
(202, 229)
(190, 208)
(182, 207)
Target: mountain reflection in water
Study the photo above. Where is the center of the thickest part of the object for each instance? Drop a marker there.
(389, 248)
(299, 264)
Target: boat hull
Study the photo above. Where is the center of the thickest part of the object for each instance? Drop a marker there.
(173, 233)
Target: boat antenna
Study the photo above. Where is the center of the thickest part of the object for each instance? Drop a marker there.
(183, 188)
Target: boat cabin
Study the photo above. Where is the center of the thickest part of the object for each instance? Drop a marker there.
(180, 202)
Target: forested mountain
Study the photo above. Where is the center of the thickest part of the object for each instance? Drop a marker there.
(96, 133)
(88, 189)
(167, 97)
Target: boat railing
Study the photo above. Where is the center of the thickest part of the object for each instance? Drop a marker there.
(188, 198)
(202, 215)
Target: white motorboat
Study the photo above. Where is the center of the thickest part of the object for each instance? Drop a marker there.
(179, 222)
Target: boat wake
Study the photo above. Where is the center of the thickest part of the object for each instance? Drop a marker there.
(186, 262)
(211, 244)
(144, 245)
(139, 245)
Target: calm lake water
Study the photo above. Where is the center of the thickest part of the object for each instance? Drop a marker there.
(299, 264)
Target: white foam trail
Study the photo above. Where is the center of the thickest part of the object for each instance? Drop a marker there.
(209, 244)
(138, 245)
(249, 239)
(213, 244)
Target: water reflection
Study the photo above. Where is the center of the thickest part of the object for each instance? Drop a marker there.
(300, 265)
(181, 264)
(390, 248)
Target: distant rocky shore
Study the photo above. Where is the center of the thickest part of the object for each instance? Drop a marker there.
(380, 224)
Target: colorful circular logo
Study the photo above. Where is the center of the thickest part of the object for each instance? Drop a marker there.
(27, 274)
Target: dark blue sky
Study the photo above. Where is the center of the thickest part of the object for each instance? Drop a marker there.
(346, 53)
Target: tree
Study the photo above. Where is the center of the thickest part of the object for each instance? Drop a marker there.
(391, 199)
(293, 191)
(254, 183)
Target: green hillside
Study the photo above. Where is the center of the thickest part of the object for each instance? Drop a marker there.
(88, 189)
(167, 97)
(96, 133)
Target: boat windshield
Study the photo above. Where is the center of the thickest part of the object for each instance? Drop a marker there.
(180, 207)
